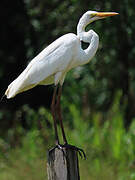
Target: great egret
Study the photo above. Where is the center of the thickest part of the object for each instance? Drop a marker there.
(51, 65)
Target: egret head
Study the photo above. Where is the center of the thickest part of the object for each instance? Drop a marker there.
(91, 16)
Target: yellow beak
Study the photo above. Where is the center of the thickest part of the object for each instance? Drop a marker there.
(106, 14)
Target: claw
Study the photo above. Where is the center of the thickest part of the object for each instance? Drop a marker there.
(68, 146)
(58, 146)
(79, 150)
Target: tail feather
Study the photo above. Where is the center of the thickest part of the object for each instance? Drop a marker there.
(22, 83)
(19, 83)
(11, 90)
(17, 86)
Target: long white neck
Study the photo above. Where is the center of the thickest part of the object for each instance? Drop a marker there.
(90, 37)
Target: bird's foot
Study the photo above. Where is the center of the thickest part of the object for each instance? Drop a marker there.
(69, 146)
(58, 146)
(74, 148)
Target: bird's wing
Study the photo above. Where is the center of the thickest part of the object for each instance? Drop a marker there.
(53, 59)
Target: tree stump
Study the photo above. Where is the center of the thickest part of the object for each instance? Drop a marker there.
(63, 165)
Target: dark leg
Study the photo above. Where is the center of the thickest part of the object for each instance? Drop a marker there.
(66, 145)
(54, 107)
(60, 114)
(54, 115)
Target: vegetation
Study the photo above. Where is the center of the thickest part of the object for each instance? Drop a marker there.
(98, 99)
(109, 147)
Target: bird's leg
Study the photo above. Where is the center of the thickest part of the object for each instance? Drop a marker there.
(60, 114)
(53, 108)
(54, 115)
(58, 108)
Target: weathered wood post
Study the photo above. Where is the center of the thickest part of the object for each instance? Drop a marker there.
(63, 165)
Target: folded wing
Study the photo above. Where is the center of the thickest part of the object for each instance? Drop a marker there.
(53, 59)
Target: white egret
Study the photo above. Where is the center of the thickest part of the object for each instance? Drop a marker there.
(51, 65)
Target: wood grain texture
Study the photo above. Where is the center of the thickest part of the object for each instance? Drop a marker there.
(63, 165)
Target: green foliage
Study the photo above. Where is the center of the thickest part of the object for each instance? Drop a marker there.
(109, 147)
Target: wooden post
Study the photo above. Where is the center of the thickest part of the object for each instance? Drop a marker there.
(63, 165)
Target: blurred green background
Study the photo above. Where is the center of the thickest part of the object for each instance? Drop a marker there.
(98, 100)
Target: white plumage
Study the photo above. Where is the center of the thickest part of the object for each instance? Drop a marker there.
(65, 53)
